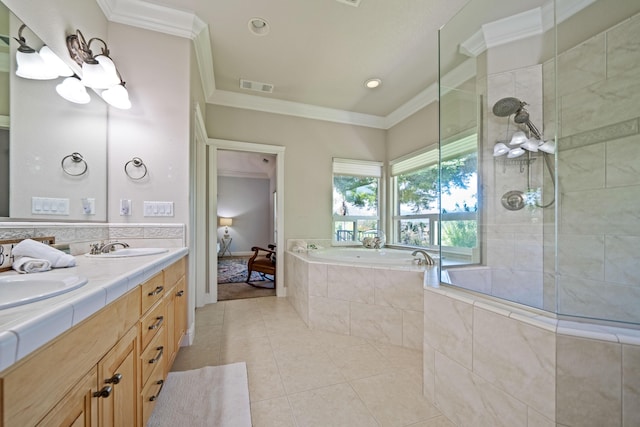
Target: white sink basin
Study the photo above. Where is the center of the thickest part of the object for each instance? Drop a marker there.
(129, 252)
(26, 288)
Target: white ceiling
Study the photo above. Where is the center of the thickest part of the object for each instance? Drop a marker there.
(317, 54)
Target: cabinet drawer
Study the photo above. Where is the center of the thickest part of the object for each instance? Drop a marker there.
(152, 291)
(150, 393)
(153, 355)
(174, 272)
(151, 324)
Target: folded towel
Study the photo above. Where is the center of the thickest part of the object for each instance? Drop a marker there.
(31, 248)
(25, 264)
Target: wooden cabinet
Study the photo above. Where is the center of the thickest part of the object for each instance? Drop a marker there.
(107, 370)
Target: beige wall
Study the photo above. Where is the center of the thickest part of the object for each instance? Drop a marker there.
(415, 132)
(310, 148)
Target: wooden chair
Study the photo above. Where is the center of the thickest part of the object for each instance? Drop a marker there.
(264, 262)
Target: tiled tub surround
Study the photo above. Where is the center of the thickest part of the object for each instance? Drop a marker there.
(382, 303)
(491, 363)
(27, 327)
(80, 235)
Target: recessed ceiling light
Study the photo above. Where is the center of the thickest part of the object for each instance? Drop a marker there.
(258, 26)
(372, 83)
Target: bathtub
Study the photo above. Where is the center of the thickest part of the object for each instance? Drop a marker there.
(384, 256)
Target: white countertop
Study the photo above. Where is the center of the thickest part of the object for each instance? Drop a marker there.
(27, 327)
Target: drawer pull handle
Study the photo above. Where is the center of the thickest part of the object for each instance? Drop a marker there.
(155, 396)
(105, 392)
(156, 291)
(114, 379)
(180, 293)
(158, 323)
(158, 356)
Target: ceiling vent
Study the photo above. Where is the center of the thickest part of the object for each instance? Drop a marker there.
(257, 86)
(354, 3)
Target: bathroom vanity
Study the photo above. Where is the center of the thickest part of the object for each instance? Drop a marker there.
(108, 368)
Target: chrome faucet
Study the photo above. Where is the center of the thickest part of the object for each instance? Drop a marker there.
(107, 247)
(427, 258)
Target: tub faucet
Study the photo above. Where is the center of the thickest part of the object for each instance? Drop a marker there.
(107, 247)
(427, 258)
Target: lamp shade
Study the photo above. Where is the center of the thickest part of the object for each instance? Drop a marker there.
(72, 90)
(54, 63)
(117, 96)
(32, 66)
(226, 222)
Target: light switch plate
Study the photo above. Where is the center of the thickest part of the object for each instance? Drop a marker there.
(158, 208)
(125, 207)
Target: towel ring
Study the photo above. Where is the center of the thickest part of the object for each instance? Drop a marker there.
(138, 163)
(75, 159)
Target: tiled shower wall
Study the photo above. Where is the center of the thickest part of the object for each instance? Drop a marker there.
(599, 174)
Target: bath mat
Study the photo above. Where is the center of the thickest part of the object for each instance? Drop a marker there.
(210, 396)
(234, 270)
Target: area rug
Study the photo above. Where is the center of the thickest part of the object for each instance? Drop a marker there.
(234, 270)
(210, 396)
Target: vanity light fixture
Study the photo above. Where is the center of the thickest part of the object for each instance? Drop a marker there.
(98, 71)
(73, 90)
(372, 83)
(38, 66)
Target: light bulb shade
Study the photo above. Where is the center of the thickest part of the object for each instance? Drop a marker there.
(515, 152)
(99, 76)
(54, 63)
(32, 66)
(72, 90)
(117, 96)
(111, 74)
(548, 147)
(227, 222)
(500, 149)
(531, 144)
(518, 138)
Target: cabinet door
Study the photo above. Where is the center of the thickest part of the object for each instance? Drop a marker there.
(117, 374)
(79, 408)
(180, 326)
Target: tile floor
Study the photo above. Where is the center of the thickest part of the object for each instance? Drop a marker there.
(300, 377)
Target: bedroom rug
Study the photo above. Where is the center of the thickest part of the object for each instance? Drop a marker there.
(234, 270)
(210, 396)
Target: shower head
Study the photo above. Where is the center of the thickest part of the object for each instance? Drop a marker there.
(507, 106)
(522, 116)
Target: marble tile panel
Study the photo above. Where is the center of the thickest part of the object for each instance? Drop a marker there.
(524, 287)
(376, 322)
(448, 327)
(272, 413)
(264, 379)
(601, 104)
(630, 385)
(166, 232)
(246, 349)
(63, 234)
(16, 233)
(92, 233)
(581, 66)
(468, 400)
(395, 399)
(589, 389)
(529, 255)
(440, 421)
(613, 213)
(318, 280)
(581, 256)
(400, 289)
(603, 134)
(600, 300)
(535, 419)
(359, 361)
(429, 372)
(621, 263)
(401, 358)
(336, 405)
(197, 356)
(582, 168)
(329, 315)
(473, 278)
(520, 360)
(351, 283)
(412, 329)
(622, 164)
(123, 232)
(623, 47)
(312, 371)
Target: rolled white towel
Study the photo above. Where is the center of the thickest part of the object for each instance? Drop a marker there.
(38, 250)
(25, 264)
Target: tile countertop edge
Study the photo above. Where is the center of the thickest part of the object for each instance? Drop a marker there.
(81, 303)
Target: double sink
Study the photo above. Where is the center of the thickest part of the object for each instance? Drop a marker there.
(19, 289)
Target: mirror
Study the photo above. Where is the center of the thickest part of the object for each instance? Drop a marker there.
(46, 180)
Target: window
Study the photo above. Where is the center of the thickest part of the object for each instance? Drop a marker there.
(356, 199)
(416, 202)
